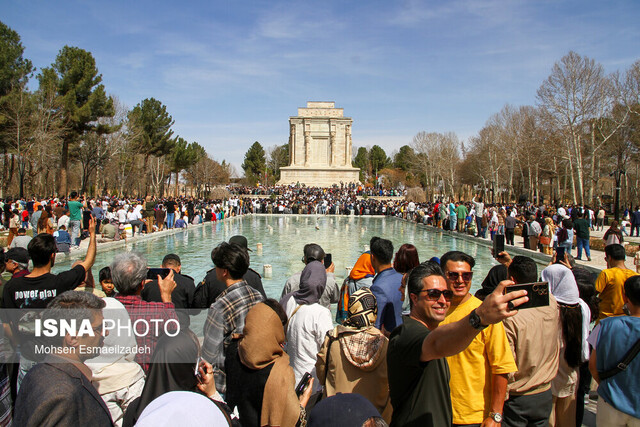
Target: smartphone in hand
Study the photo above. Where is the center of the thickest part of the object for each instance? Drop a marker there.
(153, 273)
(498, 244)
(537, 292)
(327, 260)
(303, 384)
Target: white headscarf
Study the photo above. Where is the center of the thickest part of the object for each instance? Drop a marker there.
(563, 286)
(182, 408)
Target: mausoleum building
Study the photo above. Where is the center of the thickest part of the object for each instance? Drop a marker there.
(319, 147)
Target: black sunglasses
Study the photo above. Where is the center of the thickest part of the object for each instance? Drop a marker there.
(434, 294)
(453, 275)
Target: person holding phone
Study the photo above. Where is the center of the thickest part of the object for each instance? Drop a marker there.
(331, 293)
(575, 316)
(260, 381)
(536, 351)
(308, 320)
(419, 377)
(480, 372)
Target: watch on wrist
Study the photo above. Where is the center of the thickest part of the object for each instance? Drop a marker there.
(496, 416)
(475, 322)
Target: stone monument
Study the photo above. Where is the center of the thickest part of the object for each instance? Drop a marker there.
(319, 147)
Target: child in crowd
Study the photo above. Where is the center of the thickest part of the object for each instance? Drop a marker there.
(105, 281)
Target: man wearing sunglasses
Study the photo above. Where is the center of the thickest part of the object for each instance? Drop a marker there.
(479, 373)
(416, 358)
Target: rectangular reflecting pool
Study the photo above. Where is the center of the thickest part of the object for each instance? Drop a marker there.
(283, 238)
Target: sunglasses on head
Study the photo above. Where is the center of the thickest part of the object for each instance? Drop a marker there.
(466, 276)
(434, 294)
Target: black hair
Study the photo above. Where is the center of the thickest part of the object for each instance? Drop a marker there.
(523, 269)
(313, 252)
(232, 257)
(632, 289)
(615, 252)
(571, 318)
(171, 259)
(41, 248)
(457, 256)
(104, 274)
(382, 249)
(21, 230)
(275, 306)
(426, 269)
(373, 239)
(587, 290)
(73, 194)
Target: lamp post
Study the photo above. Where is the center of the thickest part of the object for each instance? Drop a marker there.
(617, 174)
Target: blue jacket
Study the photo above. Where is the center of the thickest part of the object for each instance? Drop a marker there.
(386, 287)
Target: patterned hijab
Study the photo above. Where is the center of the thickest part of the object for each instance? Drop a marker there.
(363, 309)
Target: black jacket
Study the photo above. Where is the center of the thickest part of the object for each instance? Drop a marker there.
(210, 287)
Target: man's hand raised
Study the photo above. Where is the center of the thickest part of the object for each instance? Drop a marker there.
(166, 285)
(498, 306)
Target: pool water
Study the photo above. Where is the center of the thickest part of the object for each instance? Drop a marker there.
(283, 238)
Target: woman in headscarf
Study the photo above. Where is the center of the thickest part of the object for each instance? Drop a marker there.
(497, 274)
(574, 317)
(184, 408)
(353, 356)
(173, 368)
(613, 236)
(260, 382)
(344, 410)
(308, 321)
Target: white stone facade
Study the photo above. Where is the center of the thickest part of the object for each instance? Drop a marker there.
(319, 147)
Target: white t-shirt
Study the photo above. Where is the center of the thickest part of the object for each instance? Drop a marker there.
(305, 335)
(122, 215)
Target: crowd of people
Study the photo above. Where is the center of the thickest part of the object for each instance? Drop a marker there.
(542, 227)
(409, 343)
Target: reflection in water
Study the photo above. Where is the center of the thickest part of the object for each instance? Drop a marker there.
(283, 238)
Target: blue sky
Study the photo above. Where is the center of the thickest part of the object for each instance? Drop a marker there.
(231, 73)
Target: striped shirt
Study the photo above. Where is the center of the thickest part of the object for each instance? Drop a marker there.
(225, 317)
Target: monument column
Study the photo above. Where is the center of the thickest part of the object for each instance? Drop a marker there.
(347, 145)
(307, 146)
(332, 143)
(292, 144)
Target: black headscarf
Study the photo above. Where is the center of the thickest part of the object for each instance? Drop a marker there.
(343, 409)
(312, 283)
(172, 369)
(497, 274)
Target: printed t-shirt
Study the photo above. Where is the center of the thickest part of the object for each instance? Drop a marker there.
(37, 292)
(489, 353)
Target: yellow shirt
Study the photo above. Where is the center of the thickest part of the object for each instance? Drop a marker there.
(489, 353)
(610, 286)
